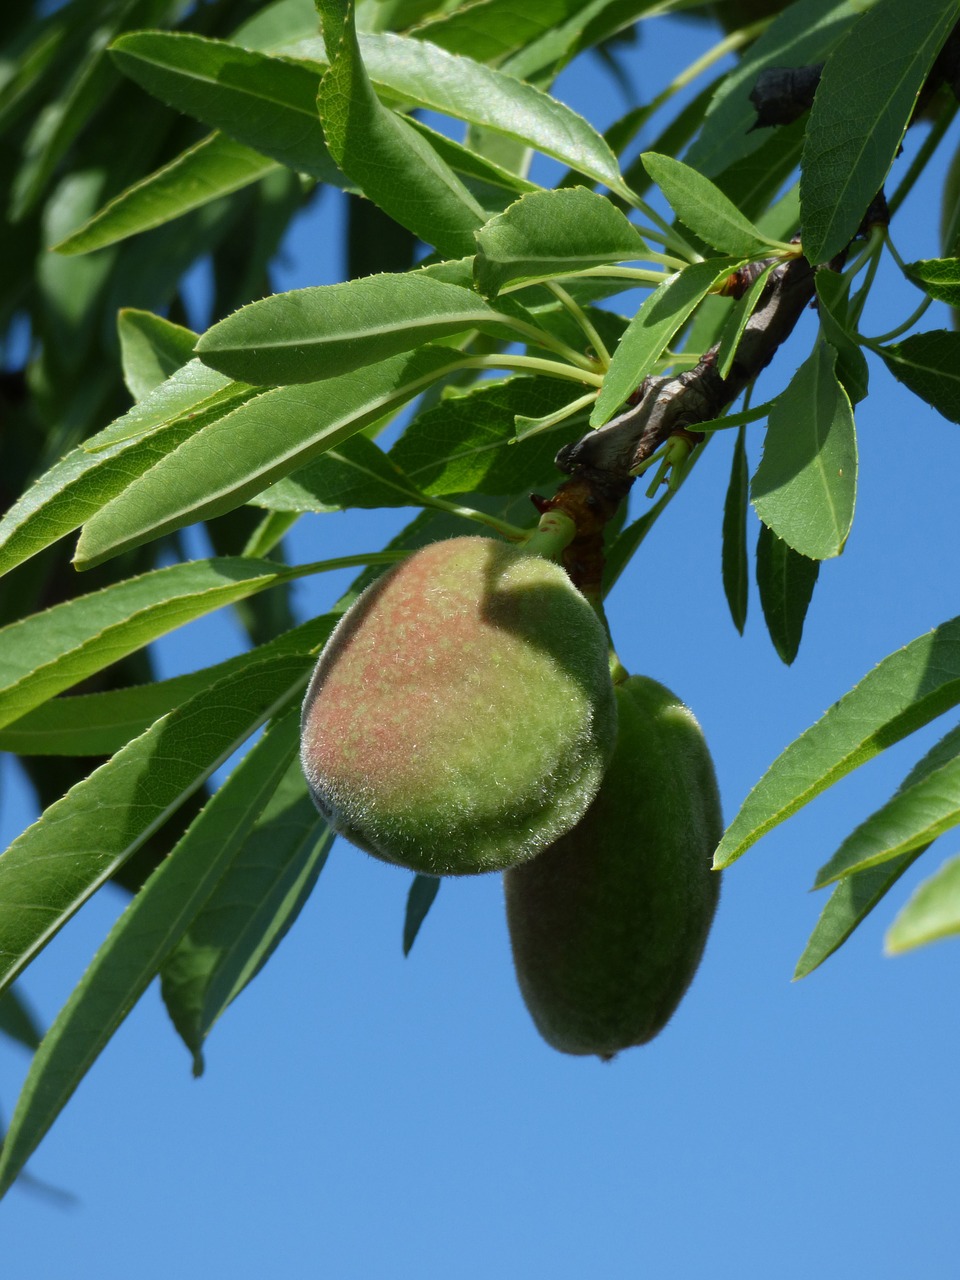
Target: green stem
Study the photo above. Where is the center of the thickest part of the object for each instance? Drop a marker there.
(729, 44)
(859, 300)
(636, 275)
(552, 535)
(901, 328)
(583, 320)
(534, 364)
(269, 532)
(667, 235)
(512, 532)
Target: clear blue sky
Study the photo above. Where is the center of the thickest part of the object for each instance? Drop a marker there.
(363, 1115)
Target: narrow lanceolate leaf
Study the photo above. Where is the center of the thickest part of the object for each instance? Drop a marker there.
(651, 329)
(863, 105)
(785, 580)
(356, 473)
(933, 913)
(905, 691)
(214, 167)
(734, 555)
(48, 652)
(466, 444)
(850, 903)
(191, 390)
(244, 452)
(856, 895)
(78, 843)
(382, 153)
(551, 234)
(424, 75)
(88, 477)
(264, 103)
(803, 34)
(806, 484)
(151, 349)
(141, 940)
(423, 891)
(322, 332)
(833, 300)
(914, 817)
(702, 206)
(253, 906)
(938, 277)
(929, 365)
(98, 724)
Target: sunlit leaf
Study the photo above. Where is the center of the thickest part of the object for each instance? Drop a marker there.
(805, 486)
(242, 453)
(552, 234)
(862, 107)
(140, 941)
(651, 329)
(704, 209)
(151, 349)
(329, 330)
(933, 912)
(905, 691)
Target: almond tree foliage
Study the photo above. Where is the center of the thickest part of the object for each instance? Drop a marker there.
(140, 136)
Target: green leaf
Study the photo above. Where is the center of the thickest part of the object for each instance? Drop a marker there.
(863, 104)
(423, 891)
(18, 1021)
(250, 911)
(242, 453)
(214, 167)
(151, 349)
(734, 555)
(928, 364)
(88, 477)
(732, 332)
(651, 329)
(264, 103)
(856, 895)
(803, 34)
(48, 652)
(356, 473)
(833, 300)
(915, 816)
(932, 913)
(80, 841)
(806, 484)
(423, 75)
(702, 206)
(550, 234)
(382, 153)
(786, 580)
(850, 903)
(141, 940)
(321, 332)
(98, 724)
(937, 277)
(905, 691)
(466, 444)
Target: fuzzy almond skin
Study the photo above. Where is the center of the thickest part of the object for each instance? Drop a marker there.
(609, 924)
(461, 715)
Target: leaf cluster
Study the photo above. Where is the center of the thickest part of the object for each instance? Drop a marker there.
(142, 139)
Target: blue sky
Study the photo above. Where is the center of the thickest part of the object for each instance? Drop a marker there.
(363, 1115)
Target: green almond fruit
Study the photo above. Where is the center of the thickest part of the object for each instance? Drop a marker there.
(609, 924)
(462, 714)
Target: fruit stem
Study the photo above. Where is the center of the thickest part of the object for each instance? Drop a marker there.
(552, 535)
